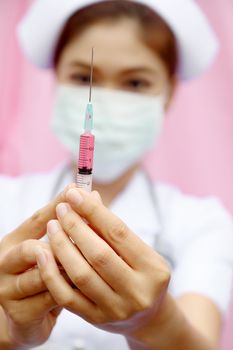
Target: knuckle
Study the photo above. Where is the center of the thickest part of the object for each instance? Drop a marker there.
(37, 221)
(70, 223)
(26, 289)
(67, 301)
(82, 281)
(20, 287)
(101, 259)
(121, 314)
(159, 267)
(142, 302)
(23, 249)
(97, 318)
(58, 243)
(35, 282)
(48, 277)
(92, 210)
(118, 309)
(164, 276)
(26, 250)
(118, 232)
(142, 297)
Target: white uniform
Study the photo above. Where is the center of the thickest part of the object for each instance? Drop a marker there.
(196, 235)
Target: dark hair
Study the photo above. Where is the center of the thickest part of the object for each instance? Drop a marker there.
(156, 34)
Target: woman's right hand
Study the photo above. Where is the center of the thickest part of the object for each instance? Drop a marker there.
(30, 310)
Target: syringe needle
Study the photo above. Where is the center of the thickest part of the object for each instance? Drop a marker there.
(88, 126)
(91, 77)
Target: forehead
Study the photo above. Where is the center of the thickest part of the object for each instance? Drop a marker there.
(117, 43)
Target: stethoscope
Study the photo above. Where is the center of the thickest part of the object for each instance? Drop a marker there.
(160, 245)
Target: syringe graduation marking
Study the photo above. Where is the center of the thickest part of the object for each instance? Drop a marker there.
(87, 141)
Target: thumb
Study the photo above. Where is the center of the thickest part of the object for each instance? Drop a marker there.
(36, 226)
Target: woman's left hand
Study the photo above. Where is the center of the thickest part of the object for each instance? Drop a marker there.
(120, 281)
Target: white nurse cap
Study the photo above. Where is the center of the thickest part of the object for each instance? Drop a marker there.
(41, 27)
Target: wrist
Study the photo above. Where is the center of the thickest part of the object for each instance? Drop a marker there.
(7, 341)
(168, 320)
(169, 329)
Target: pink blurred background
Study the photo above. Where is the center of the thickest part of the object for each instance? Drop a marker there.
(195, 151)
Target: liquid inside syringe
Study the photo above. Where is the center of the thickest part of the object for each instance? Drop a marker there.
(87, 144)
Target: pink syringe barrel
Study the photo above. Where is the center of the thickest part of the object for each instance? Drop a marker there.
(85, 162)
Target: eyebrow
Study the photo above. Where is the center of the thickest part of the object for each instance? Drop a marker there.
(136, 69)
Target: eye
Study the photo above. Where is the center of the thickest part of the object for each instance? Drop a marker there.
(80, 79)
(137, 84)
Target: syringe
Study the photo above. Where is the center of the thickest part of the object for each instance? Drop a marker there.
(87, 144)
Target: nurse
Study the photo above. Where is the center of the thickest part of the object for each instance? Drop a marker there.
(133, 265)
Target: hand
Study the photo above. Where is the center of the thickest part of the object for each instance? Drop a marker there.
(121, 282)
(30, 310)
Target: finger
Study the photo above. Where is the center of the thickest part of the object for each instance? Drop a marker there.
(97, 196)
(35, 226)
(97, 252)
(27, 309)
(56, 311)
(128, 245)
(81, 273)
(25, 285)
(21, 257)
(62, 293)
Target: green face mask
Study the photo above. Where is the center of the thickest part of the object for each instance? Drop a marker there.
(126, 126)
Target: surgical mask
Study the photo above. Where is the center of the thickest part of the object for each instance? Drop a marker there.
(126, 126)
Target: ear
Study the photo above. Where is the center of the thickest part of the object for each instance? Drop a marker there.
(172, 84)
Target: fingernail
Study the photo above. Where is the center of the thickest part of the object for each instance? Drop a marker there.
(53, 227)
(62, 209)
(41, 257)
(74, 196)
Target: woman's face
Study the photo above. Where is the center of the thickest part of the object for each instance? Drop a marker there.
(121, 60)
